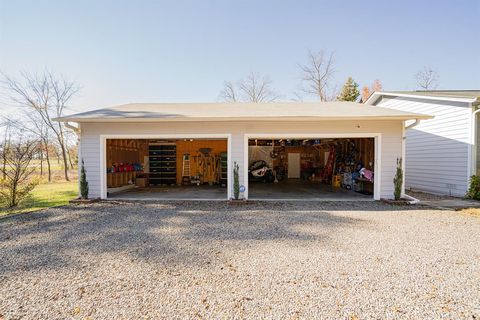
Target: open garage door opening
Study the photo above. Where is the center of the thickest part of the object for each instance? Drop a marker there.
(315, 169)
(166, 169)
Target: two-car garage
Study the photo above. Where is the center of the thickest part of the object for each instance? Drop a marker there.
(197, 168)
(284, 151)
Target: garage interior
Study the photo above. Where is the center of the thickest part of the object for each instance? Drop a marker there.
(317, 169)
(156, 169)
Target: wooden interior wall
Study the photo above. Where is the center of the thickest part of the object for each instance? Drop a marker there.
(124, 151)
(364, 146)
(192, 147)
(307, 153)
(365, 150)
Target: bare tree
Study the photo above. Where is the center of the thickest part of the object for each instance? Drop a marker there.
(377, 85)
(228, 92)
(18, 182)
(297, 96)
(34, 125)
(368, 91)
(253, 88)
(48, 97)
(5, 145)
(317, 75)
(365, 93)
(427, 78)
(256, 88)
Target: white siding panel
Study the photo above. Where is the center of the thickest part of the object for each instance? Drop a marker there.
(437, 149)
(390, 132)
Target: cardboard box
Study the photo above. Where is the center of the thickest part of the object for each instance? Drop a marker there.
(141, 182)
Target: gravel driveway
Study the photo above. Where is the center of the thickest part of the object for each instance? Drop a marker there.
(259, 260)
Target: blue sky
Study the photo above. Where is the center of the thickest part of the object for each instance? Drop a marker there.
(162, 51)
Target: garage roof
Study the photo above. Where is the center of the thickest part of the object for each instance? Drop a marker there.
(150, 112)
(469, 96)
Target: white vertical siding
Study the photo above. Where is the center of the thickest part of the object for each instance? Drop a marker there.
(436, 150)
(391, 141)
(90, 153)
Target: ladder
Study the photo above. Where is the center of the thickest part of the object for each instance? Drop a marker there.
(330, 167)
(186, 169)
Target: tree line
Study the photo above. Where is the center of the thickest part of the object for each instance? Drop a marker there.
(40, 99)
(317, 81)
(31, 135)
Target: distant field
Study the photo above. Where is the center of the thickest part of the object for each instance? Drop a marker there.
(46, 195)
(57, 170)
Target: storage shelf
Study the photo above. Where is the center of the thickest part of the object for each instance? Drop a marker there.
(163, 164)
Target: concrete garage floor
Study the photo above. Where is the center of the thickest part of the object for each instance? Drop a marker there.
(203, 192)
(286, 190)
(302, 190)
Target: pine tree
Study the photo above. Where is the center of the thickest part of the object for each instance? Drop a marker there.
(83, 183)
(236, 182)
(349, 91)
(398, 180)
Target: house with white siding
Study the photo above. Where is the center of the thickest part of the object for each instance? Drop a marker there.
(292, 151)
(442, 152)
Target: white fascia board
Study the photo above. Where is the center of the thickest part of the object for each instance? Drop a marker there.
(215, 119)
(374, 97)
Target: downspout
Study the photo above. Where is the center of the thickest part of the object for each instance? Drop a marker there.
(417, 121)
(69, 126)
(411, 200)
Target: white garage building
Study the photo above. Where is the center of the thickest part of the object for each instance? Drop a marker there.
(188, 151)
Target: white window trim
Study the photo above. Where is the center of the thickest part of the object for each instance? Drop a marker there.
(103, 152)
(377, 142)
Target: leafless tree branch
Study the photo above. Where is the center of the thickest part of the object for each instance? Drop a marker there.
(253, 88)
(427, 78)
(317, 74)
(229, 93)
(47, 97)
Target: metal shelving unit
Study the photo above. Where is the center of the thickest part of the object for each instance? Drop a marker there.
(223, 169)
(162, 164)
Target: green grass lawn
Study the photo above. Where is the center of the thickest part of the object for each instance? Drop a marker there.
(46, 195)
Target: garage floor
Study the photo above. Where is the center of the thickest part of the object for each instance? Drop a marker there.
(302, 190)
(286, 190)
(172, 193)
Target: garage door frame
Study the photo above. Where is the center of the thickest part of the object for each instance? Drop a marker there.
(103, 152)
(377, 142)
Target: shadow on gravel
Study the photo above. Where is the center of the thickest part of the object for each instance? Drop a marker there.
(163, 234)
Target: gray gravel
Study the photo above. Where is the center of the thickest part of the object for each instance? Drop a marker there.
(259, 260)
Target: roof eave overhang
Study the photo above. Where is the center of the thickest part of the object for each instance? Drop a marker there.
(376, 95)
(233, 119)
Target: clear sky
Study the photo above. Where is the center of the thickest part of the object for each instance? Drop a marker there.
(183, 51)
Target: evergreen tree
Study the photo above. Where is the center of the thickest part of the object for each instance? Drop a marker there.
(83, 183)
(349, 91)
(236, 182)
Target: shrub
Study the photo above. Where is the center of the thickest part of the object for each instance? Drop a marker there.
(398, 180)
(12, 194)
(83, 182)
(236, 182)
(473, 188)
(18, 181)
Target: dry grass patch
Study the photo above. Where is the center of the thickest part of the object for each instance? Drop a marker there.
(470, 211)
